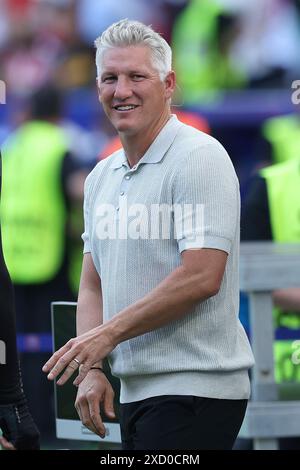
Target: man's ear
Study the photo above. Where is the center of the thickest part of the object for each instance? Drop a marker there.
(170, 83)
(98, 89)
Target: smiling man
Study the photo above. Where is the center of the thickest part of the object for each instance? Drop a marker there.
(134, 97)
(163, 309)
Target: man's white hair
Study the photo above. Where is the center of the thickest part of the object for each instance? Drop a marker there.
(133, 33)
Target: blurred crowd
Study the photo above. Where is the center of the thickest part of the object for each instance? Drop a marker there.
(217, 44)
(53, 39)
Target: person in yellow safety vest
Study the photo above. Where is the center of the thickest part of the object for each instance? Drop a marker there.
(283, 189)
(283, 135)
(201, 40)
(34, 212)
(271, 212)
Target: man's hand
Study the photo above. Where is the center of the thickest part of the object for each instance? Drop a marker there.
(95, 389)
(18, 429)
(83, 351)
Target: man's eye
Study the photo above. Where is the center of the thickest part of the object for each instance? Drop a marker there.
(109, 79)
(138, 77)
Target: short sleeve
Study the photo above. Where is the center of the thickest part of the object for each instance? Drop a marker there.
(206, 200)
(86, 210)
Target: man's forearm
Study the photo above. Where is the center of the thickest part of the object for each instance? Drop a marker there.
(288, 299)
(89, 310)
(173, 298)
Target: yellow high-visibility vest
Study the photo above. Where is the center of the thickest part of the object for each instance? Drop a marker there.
(283, 133)
(283, 189)
(33, 212)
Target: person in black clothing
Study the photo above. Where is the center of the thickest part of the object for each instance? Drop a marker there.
(255, 216)
(18, 429)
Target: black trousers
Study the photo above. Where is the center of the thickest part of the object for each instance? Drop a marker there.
(181, 422)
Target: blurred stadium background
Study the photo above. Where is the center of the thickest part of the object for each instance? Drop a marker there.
(235, 62)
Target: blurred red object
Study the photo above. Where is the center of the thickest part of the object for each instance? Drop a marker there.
(18, 7)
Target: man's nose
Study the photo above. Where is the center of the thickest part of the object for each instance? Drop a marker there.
(123, 89)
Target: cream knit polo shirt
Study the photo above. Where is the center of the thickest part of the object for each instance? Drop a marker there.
(182, 194)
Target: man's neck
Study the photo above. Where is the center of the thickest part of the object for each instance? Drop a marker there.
(135, 146)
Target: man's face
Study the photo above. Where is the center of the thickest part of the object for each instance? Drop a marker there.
(130, 90)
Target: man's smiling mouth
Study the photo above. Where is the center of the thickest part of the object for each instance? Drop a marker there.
(123, 107)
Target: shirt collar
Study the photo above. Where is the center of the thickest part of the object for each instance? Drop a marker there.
(118, 160)
(157, 149)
